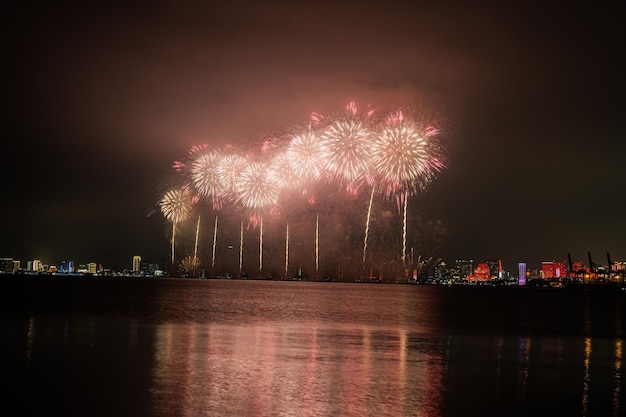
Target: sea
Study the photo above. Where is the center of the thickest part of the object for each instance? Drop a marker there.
(173, 347)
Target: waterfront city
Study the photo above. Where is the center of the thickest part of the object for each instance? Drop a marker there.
(554, 273)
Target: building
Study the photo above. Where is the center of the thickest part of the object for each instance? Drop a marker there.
(463, 269)
(495, 268)
(7, 265)
(136, 263)
(521, 273)
(482, 273)
(553, 269)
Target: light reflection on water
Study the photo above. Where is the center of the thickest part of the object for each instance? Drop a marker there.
(206, 348)
(298, 369)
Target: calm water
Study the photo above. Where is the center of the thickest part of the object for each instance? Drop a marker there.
(185, 347)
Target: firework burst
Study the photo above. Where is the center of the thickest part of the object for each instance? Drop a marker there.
(229, 170)
(256, 189)
(204, 173)
(346, 145)
(305, 156)
(401, 155)
(395, 157)
(282, 171)
(176, 207)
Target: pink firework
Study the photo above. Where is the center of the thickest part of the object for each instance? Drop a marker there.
(282, 171)
(256, 190)
(204, 173)
(305, 156)
(402, 155)
(230, 169)
(346, 145)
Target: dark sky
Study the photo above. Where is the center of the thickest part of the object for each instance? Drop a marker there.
(100, 100)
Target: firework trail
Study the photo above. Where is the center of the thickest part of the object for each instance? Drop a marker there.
(287, 251)
(214, 245)
(176, 207)
(367, 224)
(195, 249)
(241, 249)
(317, 244)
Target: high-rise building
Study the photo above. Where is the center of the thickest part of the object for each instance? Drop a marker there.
(6, 264)
(136, 263)
(464, 268)
(521, 271)
(495, 268)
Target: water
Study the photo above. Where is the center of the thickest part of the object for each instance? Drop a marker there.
(187, 347)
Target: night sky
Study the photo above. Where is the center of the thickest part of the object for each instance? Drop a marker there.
(100, 100)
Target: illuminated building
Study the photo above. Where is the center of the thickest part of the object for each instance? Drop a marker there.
(553, 269)
(136, 263)
(91, 267)
(464, 268)
(547, 269)
(482, 273)
(521, 271)
(495, 268)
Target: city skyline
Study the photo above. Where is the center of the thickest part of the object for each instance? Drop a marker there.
(598, 264)
(105, 99)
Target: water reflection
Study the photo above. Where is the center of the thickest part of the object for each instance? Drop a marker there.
(618, 377)
(329, 351)
(304, 369)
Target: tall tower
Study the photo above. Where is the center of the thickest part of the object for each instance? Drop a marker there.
(136, 263)
(521, 279)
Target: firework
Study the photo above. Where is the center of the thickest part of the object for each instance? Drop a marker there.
(256, 189)
(346, 145)
(396, 157)
(229, 170)
(195, 247)
(176, 207)
(256, 192)
(205, 177)
(305, 156)
(403, 160)
(402, 155)
(283, 174)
